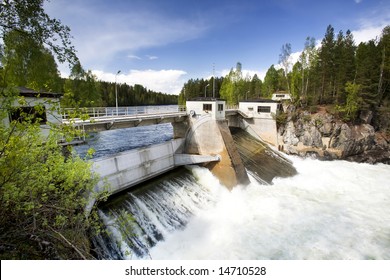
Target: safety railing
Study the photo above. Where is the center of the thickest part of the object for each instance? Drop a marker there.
(99, 112)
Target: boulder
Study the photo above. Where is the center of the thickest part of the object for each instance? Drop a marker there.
(353, 140)
(289, 137)
(312, 137)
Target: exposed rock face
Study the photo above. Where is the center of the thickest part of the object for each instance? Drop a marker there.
(322, 136)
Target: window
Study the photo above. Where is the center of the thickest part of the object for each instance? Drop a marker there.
(264, 109)
(33, 114)
(280, 95)
(220, 107)
(250, 109)
(207, 107)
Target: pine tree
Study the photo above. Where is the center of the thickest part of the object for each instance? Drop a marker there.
(326, 63)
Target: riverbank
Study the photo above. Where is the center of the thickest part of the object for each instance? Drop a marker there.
(324, 136)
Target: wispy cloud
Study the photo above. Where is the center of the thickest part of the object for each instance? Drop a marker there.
(358, 1)
(152, 57)
(166, 81)
(134, 57)
(371, 26)
(101, 37)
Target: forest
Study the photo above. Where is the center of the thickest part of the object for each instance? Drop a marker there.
(350, 77)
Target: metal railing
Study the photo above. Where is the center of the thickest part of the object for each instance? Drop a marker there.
(100, 112)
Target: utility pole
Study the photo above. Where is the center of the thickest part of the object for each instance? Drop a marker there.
(116, 93)
(213, 80)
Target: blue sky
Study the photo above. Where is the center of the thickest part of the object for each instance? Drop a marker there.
(163, 43)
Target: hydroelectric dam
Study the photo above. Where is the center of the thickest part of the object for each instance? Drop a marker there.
(292, 208)
(201, 135)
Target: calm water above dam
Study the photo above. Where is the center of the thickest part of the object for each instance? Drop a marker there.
(329, 210)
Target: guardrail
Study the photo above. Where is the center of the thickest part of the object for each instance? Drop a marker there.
(97, 112)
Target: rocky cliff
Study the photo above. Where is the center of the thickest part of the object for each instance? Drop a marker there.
(323, 136)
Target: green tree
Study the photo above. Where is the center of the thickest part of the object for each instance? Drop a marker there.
(271, 82)
(29, 64)
(307, 59)
(368, 72)
(326, 59)
(255, 87)
(228, 89)
(42, 192)
(296, 81)
(352, 105)
(384, 75)
(81, 89)
(285, 60)
(29, 18)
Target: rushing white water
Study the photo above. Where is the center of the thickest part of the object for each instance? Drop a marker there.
(330, 210)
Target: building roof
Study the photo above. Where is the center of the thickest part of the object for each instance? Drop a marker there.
(259, 100)
(206, 99)
(28, 92)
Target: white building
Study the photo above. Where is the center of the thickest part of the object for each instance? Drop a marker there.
(260, 121)
(259, 108)
(280, 96)
(47, 114)
(214, 107)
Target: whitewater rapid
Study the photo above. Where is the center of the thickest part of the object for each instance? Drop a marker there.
(329, 210)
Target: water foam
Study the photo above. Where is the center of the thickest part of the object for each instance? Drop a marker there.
(330, 210)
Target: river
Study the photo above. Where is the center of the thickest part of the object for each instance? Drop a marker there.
(329, 210)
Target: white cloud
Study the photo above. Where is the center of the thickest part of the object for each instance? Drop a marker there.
(358, 1)
(100, 35)
(371, 26)
(366, 34)
(152, 57)
(134, 57)
(166, 81)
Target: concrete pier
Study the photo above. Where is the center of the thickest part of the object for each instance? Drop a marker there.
(209, 134)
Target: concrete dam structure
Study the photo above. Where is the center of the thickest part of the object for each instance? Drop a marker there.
(201, 136)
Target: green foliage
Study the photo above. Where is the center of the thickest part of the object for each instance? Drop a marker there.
(285, 60)
(29, 18)
(235, 87)
(280, 118)
(270, 84)
(136, 95)
(313, 109)
(350, 109)
(194, 88)
(42, 193)
(29, 64)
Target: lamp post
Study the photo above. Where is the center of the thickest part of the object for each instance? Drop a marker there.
(205, 88)
(213, 80)
(116, 93)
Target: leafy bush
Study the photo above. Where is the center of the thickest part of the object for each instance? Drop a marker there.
(42, 193)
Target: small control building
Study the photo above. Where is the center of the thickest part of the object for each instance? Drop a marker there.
(214, 107)
(281, 96)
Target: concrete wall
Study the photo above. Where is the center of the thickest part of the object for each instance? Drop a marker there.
(129, 168)
(207, 136)
(261, 125)
(263, 129)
